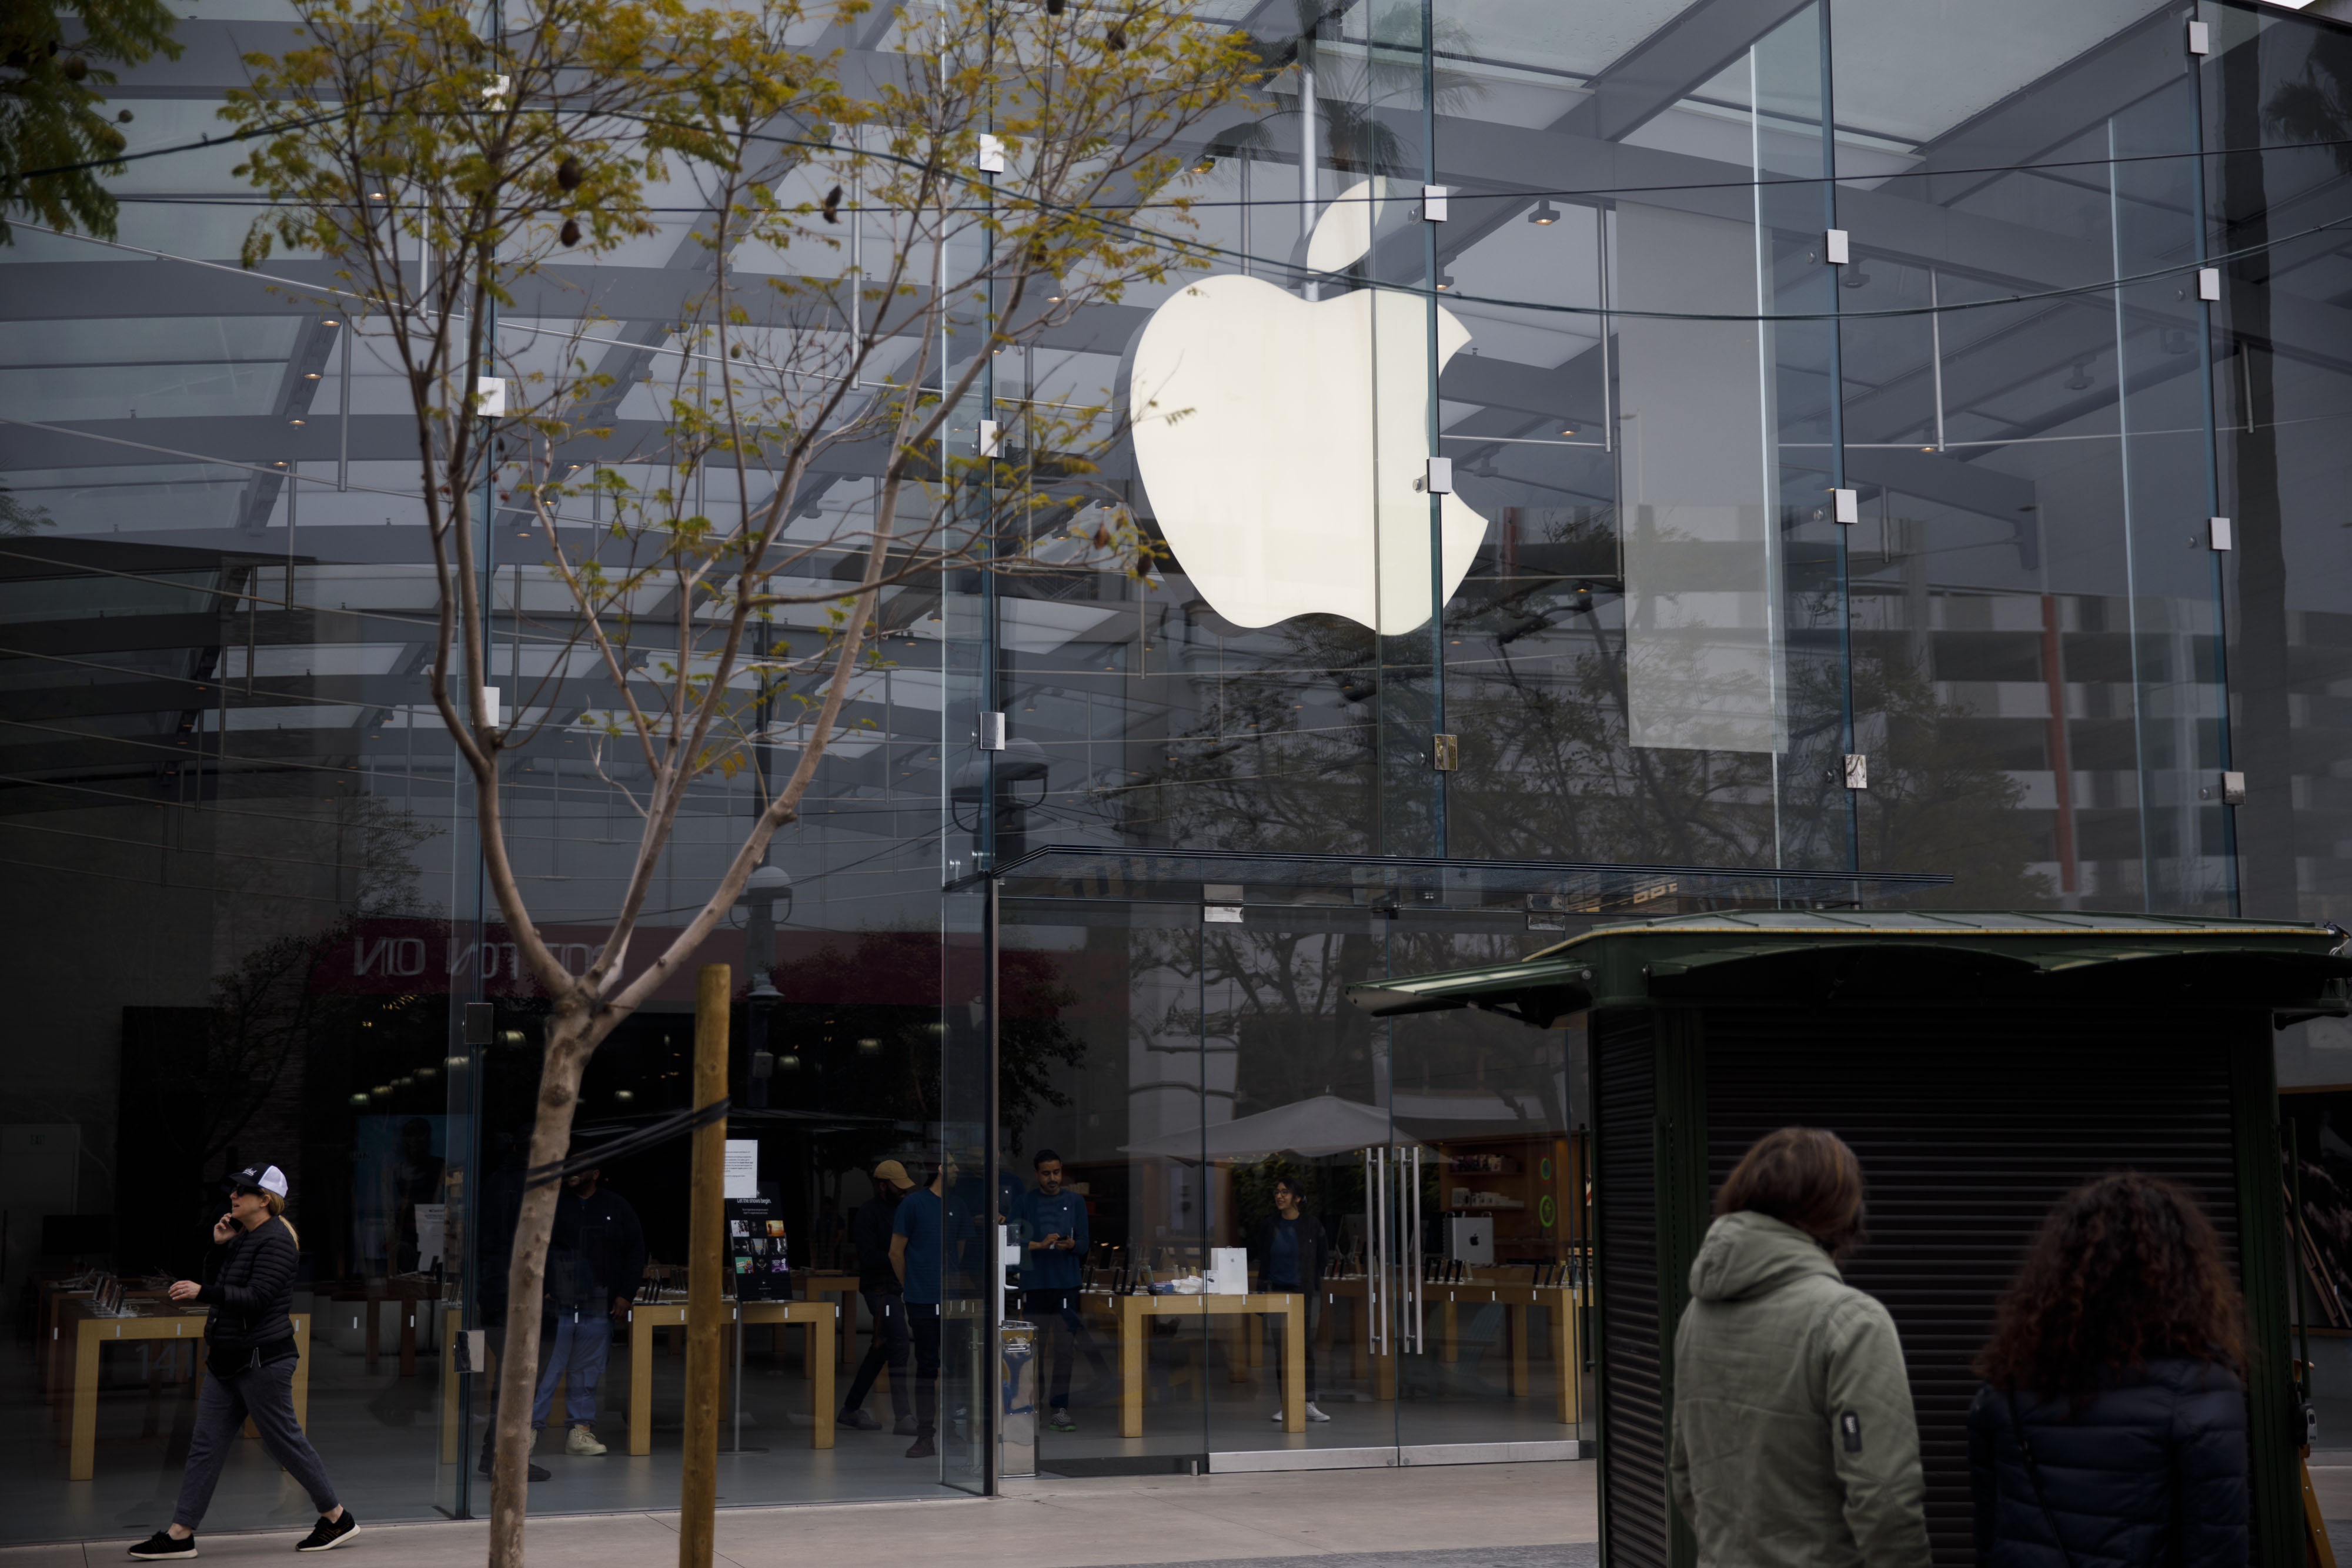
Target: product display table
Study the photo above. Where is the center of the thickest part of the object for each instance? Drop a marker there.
(831, 1283)
(643, 1318)
(1132, 1332)
(1440, 1305)
(91, 1335)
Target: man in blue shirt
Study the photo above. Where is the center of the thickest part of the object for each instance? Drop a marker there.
(1050, 1279)
(918, 1241)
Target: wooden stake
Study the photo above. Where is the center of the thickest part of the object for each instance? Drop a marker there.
(697, 1501)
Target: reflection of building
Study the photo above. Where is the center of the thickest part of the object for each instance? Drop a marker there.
(1664, 649)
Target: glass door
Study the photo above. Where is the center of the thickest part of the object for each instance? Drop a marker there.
(1299, 1165)
(1488, 1234)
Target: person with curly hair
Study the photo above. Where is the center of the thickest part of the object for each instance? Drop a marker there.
(2111, 1428)
(1794, 1444)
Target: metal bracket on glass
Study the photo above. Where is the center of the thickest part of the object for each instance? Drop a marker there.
(2233, 789)
(2218, 533)
(2209, 283)
(1438, 477)
(991, 155)
(1432, 203)
(1846, 506)
(1221, 903)
(992, 438)
(1857, 770)
(991, 732)
(2201, 38)
(491, 396)
(1835, 248)
(1446, 752)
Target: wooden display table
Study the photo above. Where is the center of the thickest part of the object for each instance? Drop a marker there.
(644, 1318)
(1132, 1332)
(1442, 1305)
(92, 1334)
(409, 1290)
(832, 1283)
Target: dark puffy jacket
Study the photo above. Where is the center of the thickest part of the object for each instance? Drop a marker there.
(251, 1289)
(2152, 1471)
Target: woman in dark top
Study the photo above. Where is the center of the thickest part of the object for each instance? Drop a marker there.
(2111, 1430)
(249, 1356)
(1292, 1251)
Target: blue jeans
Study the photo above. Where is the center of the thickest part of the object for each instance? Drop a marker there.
(583, 1339)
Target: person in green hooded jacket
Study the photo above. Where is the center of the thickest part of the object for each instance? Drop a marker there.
(1794, 1441)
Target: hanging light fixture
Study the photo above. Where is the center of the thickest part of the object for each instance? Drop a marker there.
(1545, 215)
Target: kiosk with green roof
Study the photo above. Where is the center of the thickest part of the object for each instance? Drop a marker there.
(1979, 1065)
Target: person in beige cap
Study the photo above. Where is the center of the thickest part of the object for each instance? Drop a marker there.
(869, 1229)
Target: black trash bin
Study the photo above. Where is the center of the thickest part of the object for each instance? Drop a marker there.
(1980, 1065)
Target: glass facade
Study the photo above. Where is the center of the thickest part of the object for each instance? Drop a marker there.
(1571, 554)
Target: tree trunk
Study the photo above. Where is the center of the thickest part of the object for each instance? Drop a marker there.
(568, 1050)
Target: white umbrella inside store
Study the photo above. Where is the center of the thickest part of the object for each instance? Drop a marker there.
(1325, 1124)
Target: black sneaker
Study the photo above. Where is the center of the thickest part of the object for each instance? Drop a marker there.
(538, 1472)
(921, 1447)
(863, 1420)
(330, 1533)
(160, 1548)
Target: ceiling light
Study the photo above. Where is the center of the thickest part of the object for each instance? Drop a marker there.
(311, 376)
(1444, 281)
(293, 421)
(331, 323)
(1545, 213)
(1569, 431)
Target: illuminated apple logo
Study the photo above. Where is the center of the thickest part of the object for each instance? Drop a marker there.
(1283, 442)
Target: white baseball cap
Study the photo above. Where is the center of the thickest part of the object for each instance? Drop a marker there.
(258, 1179)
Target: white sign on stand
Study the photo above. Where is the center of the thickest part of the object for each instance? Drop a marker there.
(742, 1167)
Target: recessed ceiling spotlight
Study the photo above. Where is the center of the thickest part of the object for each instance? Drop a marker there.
(1545, 213)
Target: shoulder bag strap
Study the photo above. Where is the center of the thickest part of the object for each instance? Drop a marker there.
(2033, 1475)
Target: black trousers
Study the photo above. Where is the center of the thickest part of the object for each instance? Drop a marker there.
(1056, 1312)
(923, 1327)
(891, 1342)
(1276, 1336)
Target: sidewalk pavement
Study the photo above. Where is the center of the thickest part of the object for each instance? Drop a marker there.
(1450, 1516)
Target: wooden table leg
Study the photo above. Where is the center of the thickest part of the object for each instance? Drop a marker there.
(450, 1448)
(82, 1458)
(1130, 1368)
(1241, 1354)
(1572, 1371)
(1294, 1365)
(821, 1336)
(301, 1379)
(641, 1384)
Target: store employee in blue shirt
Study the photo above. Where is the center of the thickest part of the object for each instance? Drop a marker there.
(1050, 1280)
(918, 1239)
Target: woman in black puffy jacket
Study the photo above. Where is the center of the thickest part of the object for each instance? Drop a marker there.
(249, 1355)
(2111, 1430)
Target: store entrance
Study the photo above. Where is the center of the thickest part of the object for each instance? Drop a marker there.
(1310, 1239)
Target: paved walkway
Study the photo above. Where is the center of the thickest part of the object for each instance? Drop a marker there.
(1452, 1516)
